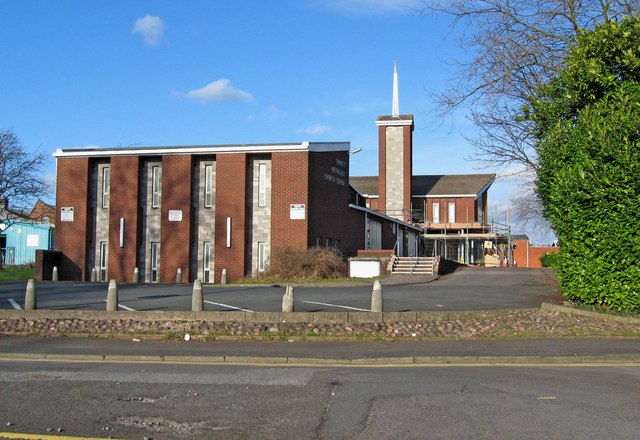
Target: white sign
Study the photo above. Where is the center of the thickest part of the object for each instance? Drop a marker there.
(175, 215)
(296, 212)
(66, 214)
(32, 240)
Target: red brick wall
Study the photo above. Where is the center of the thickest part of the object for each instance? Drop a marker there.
(123, 203)
(231, 181)
(534, 253)
(465, 209)
(176, 238)
(290, 184)
(72, 238)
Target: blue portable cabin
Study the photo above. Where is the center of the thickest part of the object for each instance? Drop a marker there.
(20, 239)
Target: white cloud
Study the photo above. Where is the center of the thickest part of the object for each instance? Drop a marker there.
(218, 90)
(315, 129)
(151, 28)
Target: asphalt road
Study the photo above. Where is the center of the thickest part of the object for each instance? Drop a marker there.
(467, 289)
(133, 401)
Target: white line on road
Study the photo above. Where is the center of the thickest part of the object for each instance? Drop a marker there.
(124, 307)
(336, 305)
(14, 304)
(227, 305)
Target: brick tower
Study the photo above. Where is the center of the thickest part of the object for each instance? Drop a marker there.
(395, 143)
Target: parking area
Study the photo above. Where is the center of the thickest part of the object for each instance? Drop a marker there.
(466, 289)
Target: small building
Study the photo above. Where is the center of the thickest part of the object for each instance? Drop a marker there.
(21, 235)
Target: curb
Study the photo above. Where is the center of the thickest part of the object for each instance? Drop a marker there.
(402, 361)
(573, 311)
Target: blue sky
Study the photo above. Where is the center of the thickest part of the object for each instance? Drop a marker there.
(121, 73)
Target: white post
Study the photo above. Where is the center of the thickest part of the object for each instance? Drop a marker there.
(287, 300)
(112, 297)
(136, 276)
(30, 296)
(179, 276)
(54, 275)
(93, 275)
(197, 301)
(223, 278)
(376, 297)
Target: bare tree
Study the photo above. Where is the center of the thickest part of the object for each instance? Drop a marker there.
(513, 47)
(21, 181)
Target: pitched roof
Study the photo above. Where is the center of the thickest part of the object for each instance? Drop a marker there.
(432, 185)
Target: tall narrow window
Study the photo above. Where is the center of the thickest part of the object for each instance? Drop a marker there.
(155, 261)
(261, 256)
(452, 212)
(435, 211)
(206, 262)
(105, 187)
(208, 186)
(103, 261)
(262, 184)
(155, 187)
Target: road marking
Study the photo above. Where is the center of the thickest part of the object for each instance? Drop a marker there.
(228, 306)
(336, 305)
(124, 307)
(14, 304)
(17, 435)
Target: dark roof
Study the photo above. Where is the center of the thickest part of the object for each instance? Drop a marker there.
(451, 185)
(365, 184)
(437, 185)
(519, 237)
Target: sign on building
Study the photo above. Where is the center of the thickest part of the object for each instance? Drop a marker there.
(296, 212)
(66, 214)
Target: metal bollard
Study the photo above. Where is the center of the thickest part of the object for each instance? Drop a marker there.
(179, 276)
(112, 297)
(376, 297)
(94, 275)
(54, 275)
(197, 301)
(30, 296)
(287, 300)
(136, 276)
(223, 278)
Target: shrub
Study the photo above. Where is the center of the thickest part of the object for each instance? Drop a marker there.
(550, 260)
(306, 263)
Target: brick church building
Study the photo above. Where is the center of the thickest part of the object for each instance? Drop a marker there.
(208, 208)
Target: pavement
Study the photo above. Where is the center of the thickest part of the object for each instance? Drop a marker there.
(596, 351)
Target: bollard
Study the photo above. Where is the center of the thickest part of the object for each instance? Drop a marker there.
(197, 302)
(54, 275)
(93, 275)
(223, 278)
(376, 297)
(287, 300)
(112, 297)
(30, 296)
(136, 276)
(179, 276)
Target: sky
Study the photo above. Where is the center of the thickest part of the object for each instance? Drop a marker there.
(154, 73)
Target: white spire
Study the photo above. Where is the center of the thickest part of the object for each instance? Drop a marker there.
(395, 111)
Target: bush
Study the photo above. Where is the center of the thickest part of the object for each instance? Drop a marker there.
(550, 260)
(297, 264)
(588, 125)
